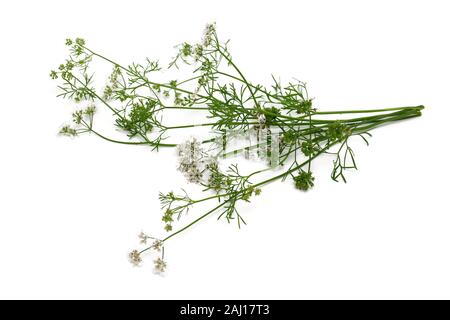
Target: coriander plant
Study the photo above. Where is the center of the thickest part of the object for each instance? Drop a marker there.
(280, 123)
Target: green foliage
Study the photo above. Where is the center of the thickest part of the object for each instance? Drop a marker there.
(337, 131)
(139, 120)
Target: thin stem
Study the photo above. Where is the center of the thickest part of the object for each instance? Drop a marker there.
(195, 221)
(117, 141)
(370, 110)
(230, 62)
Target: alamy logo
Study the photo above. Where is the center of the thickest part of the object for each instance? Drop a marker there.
(256, 143)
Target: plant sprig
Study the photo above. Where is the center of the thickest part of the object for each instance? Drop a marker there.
(226, 101)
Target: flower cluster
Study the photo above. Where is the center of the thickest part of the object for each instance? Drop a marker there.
(160, 265)
(84, 115)
(209, 34)
(140, 119)
(192, 160)
(308, 148)
(143, 238)
(188, 52)
(135, 256)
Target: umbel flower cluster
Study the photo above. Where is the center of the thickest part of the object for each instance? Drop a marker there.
(224, 100)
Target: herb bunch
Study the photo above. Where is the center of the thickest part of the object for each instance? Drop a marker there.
(226, 102)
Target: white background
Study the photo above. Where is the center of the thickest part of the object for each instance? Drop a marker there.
(70, 209)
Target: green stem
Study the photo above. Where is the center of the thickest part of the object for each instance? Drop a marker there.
(309, 122)
(117, 141)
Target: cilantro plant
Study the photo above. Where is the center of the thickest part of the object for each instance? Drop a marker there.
(220, 93)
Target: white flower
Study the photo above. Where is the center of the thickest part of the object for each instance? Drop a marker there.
(157, 245)
(160, 265)
(191, 160)
(143, 237)
(135, 257)
(189, 150)
(208, 34)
